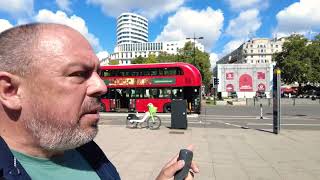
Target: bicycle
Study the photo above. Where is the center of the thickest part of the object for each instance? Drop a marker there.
(149, 120)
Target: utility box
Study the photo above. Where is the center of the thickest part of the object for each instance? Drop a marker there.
(179, 114)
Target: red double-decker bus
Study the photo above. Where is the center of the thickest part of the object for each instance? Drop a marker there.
(132, 87)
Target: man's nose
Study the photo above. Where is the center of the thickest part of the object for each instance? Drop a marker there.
(96, 87)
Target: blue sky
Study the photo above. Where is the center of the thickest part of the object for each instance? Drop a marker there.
(224, 24)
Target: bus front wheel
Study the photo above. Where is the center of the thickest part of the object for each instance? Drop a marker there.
(167, 108)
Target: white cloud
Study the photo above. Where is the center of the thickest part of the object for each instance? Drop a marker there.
(246, 24)
(102, 55)
(73, 21)
(241, 29)
(187, 22)
(247, 4)
(299, 17)
(231, 46)
(213, 60)
(150, 9)
(4, 25)
(64, 5)
(17, 7)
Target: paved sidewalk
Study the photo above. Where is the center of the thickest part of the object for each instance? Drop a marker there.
(221, 154)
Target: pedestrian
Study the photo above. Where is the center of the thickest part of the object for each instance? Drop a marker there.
(49, 104)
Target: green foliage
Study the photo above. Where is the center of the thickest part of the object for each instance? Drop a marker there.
(300, 60)
(151, 59)
(138, 60)
(187, 54)
(114, 62)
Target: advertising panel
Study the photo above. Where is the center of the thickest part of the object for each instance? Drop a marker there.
(244, 78)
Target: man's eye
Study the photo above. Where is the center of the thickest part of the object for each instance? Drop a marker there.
(79, 74)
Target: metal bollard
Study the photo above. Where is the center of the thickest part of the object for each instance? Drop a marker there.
(294, 101)
(269, 102)
(254, 101)
(261, 111)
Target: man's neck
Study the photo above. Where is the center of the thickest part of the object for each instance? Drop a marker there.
(22, 142)
(30, 150)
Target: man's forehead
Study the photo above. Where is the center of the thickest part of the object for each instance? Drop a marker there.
(66, 45)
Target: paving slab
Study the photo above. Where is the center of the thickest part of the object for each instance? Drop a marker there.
(222, 154)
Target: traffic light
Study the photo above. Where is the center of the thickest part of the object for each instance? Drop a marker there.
(215, 81)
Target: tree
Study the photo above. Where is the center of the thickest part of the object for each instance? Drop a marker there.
(300, 60)
(151, 59)
(138, 60)
(200, 60)
(114, 62)
(293, 62)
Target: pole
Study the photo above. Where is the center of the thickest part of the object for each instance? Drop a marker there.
(194, 46)
(261, 111)
(276, 100)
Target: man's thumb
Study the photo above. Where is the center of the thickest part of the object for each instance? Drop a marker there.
(171, 170)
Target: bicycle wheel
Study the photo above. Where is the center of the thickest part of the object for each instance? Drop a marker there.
(131, 124)
(154, 124)
(143, 124)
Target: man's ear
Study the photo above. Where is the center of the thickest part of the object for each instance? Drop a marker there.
(9, 86)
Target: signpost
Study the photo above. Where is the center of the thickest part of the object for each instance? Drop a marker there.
(276, 101)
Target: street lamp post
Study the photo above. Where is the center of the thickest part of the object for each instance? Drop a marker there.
(194, 46)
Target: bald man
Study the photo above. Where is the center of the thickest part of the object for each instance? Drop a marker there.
(49, 107)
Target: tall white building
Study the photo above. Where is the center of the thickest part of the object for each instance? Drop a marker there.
(132, 28)
(132, 41)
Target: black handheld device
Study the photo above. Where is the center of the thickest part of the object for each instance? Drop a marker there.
(185, 155)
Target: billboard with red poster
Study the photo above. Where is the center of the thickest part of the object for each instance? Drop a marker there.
(244, 78)
(261, 87)
(261, 75)
(229, 88)
(245, 83)
(229, 75)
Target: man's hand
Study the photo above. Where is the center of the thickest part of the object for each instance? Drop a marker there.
(173, 166)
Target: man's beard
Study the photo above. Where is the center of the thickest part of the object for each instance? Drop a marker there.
(58, 134)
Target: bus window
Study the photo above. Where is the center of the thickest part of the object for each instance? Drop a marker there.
(113, 73)
(179, 71)
(135, 73)
(146, 72)
(154, 93)
(104, 73)
(139, 93)
(111, 94)
(146, 93)
(177, 93)
(161, 72)
(164, 93)
(154, 72)
(172, 71)
(169, 71)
